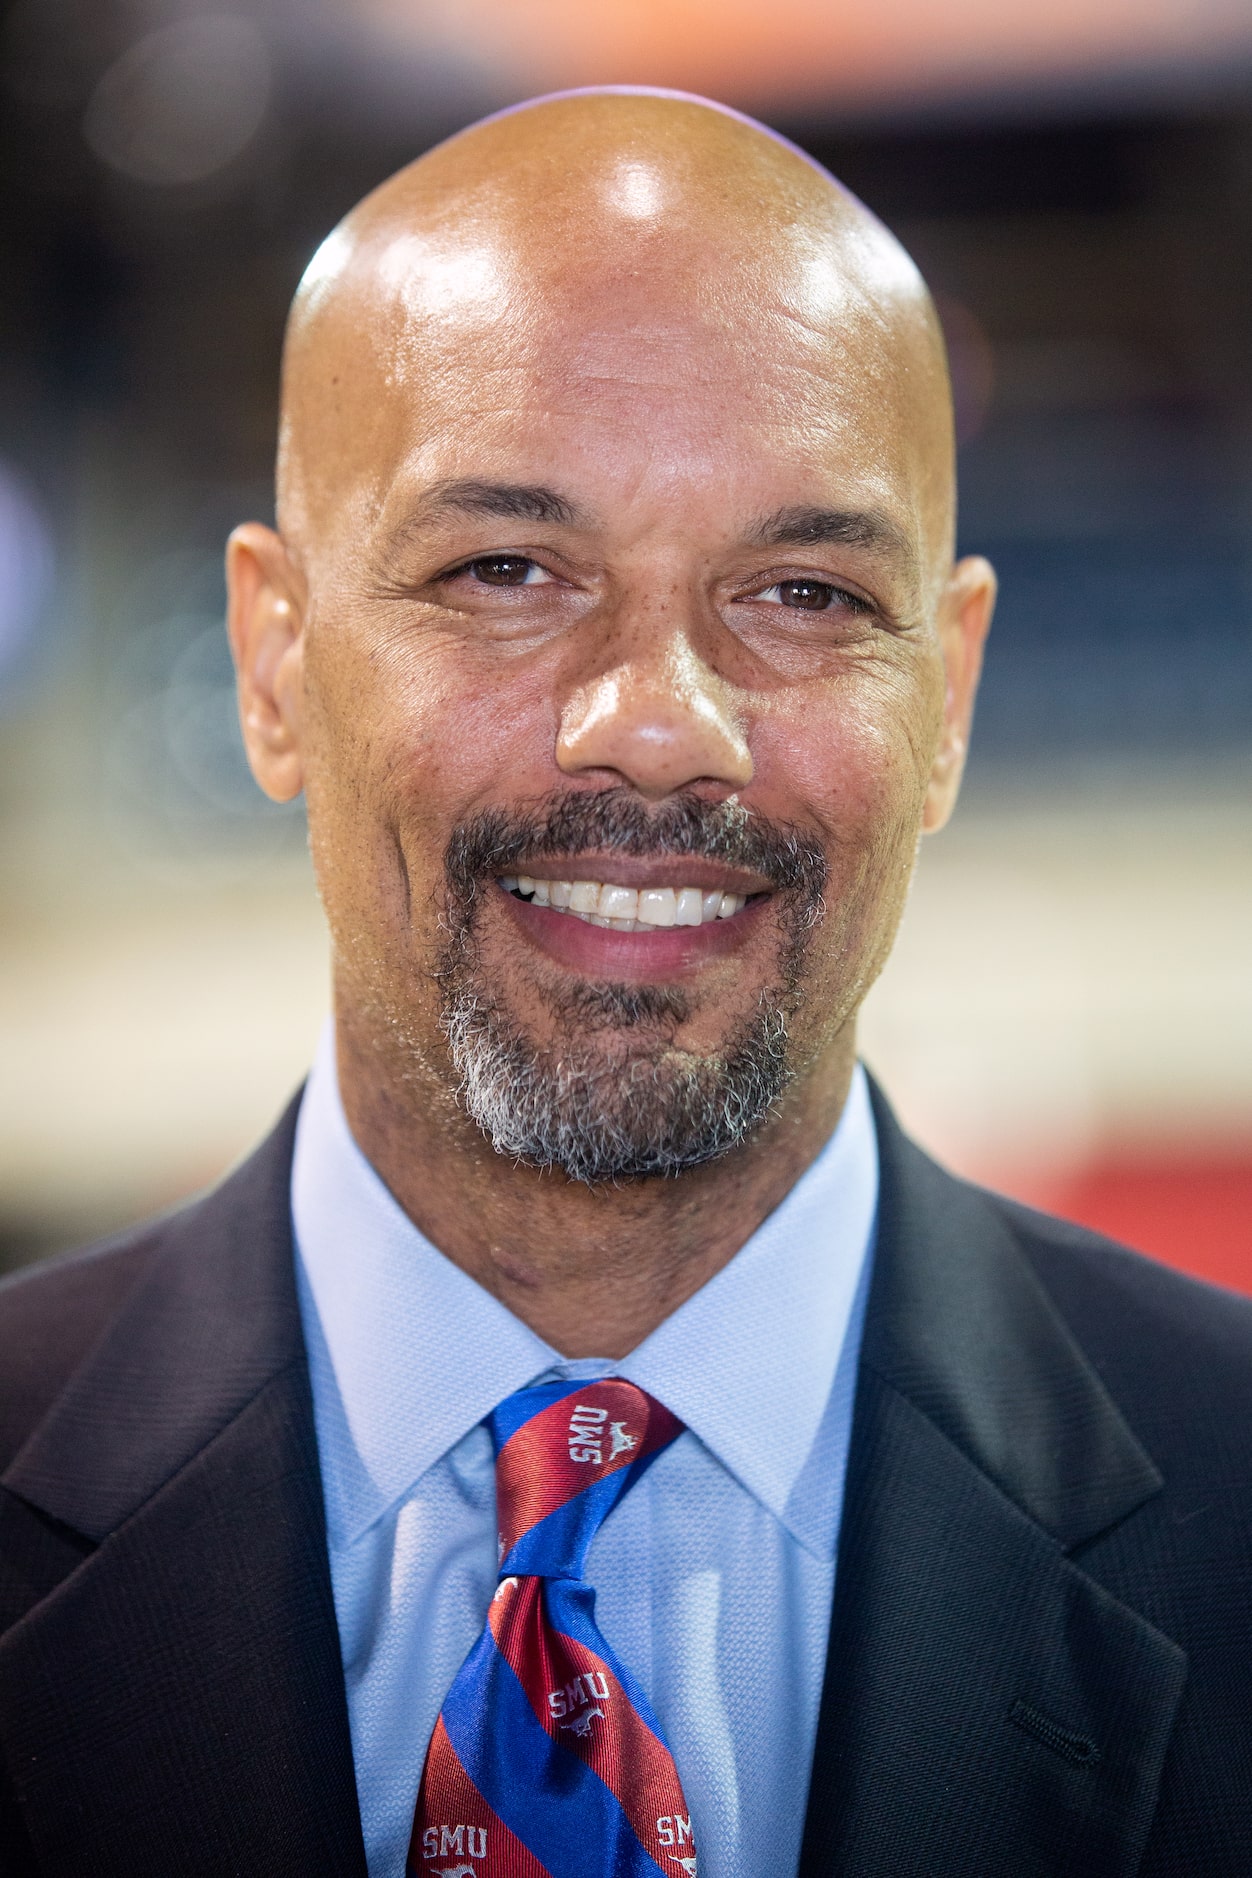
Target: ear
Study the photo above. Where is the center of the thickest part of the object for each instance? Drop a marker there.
(964, 621)
(265, 620)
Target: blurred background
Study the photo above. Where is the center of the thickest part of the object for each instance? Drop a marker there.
(1069, 1012)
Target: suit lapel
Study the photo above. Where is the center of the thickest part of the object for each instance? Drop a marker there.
(988, 1706)
(189, 1713)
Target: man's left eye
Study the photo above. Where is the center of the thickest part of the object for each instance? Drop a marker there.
(813, 596)
(505, 570)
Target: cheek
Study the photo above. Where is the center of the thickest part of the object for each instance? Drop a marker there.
(854, 763)
(458, 735)
(409, 736)
(854, 756)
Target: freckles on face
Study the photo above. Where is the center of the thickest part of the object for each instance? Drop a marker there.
(850, 757)
(410, 736)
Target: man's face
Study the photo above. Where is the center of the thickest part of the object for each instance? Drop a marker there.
(640, 595)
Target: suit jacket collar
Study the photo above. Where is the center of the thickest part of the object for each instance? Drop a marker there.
(959, 1324)
(213, 1320)
(988, 1706)
(176, 1704)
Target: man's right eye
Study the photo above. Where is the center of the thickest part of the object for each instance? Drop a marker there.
(504, 570)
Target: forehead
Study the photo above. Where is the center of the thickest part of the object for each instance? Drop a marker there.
(648, 312)
(743, 379)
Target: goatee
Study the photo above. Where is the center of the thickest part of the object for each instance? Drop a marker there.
(615, 1098)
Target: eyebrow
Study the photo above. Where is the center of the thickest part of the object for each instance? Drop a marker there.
(530, 502)
(852, 528)
(801, 526)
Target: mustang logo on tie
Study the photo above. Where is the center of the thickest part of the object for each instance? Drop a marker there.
(688, 1864)
(622, 1442)
(455, 1871)
(581, 1724)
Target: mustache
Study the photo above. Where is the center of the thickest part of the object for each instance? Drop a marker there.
(618, 821)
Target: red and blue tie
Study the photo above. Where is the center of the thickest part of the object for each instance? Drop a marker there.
(546, 1760)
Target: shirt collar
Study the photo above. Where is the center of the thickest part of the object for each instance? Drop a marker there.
(407, 1353)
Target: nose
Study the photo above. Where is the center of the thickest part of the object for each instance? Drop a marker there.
(662, 719)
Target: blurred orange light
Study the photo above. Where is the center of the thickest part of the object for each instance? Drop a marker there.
(798, 49)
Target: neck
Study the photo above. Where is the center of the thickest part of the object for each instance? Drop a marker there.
(591, 1270)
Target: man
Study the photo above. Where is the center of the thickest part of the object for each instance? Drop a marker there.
(850, 1521)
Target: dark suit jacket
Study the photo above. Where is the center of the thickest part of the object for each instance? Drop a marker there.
(1041, 1656)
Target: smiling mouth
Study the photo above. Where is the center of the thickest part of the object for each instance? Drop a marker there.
(627, 909)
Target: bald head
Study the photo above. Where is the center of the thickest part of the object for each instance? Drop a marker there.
(588, 245)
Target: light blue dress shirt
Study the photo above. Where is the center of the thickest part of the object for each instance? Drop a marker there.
(713, 1576)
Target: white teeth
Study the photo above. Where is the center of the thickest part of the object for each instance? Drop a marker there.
(618, 902)
(657, 906)
(627, 909)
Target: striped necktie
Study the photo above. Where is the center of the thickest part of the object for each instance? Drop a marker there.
(546, 1760)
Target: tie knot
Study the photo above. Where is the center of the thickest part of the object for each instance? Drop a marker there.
(566, 1452)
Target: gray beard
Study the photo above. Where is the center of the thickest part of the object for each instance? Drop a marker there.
(623, 1112)
(620, 1100)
